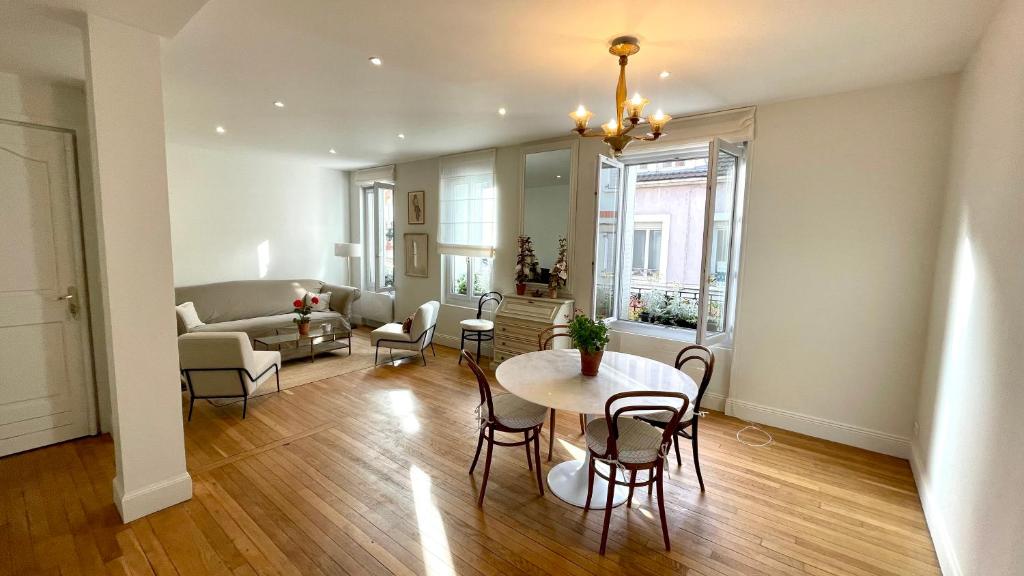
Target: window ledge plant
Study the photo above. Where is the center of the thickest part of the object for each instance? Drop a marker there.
(589, 337)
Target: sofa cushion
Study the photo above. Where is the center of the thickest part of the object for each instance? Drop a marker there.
(323, 303)
(228, 301)
(188, 319)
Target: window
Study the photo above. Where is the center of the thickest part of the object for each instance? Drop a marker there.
(659, 216)
(459, 271)
(379, 223)
(467, 224)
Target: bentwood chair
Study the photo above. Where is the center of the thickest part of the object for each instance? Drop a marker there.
(478, 329)
(417, 339)
(704, 358)
(505, 413)
(544, 341)
(633, 446)
(224, 365)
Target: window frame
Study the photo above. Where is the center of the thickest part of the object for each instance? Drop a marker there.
(470, 299)
(624, 250)
(373, 235)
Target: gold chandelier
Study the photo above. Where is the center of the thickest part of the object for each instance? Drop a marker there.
(627, 112)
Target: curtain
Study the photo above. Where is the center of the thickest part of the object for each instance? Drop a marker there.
(468, 205)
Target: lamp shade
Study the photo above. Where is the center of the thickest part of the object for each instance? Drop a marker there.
(346, 250)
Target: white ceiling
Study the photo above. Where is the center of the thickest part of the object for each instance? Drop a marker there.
(448, 66)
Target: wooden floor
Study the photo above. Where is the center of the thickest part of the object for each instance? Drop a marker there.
(367, 474)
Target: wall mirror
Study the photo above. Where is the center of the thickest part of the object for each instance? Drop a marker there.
(548, 200)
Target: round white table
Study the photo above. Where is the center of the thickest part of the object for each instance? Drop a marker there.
(552, 378)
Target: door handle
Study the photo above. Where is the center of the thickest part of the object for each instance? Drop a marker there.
(72, 299)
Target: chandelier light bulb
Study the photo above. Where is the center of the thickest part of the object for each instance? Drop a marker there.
(611, 128)
(581, 117)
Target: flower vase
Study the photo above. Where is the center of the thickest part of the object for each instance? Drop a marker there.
(520, 289)
(304, 328)
(590, 362)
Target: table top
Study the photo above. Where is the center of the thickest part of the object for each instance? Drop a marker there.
(552, 378)
(294, 336)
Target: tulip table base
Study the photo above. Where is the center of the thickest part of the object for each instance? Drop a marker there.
(568, 481)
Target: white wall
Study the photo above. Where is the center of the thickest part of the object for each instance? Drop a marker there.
(968, 456)
(843, 209)
(240, 216)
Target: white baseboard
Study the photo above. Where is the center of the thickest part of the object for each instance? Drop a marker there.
(948, 562)
(713, 401)
(148, 499)
(874, 440)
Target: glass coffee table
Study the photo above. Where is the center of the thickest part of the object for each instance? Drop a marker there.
(320, 339)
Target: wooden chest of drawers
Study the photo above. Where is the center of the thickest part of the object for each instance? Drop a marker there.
(520, 319)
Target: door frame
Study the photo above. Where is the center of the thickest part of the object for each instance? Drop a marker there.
(80, 265)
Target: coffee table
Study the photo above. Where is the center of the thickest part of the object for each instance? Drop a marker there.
(320, 339)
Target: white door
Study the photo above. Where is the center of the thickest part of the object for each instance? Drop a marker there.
(46, 392)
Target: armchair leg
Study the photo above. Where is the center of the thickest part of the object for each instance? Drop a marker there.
(245, 405)
(191, 403)
(423, 355)
(277, 376)
(376, 353)
(432, 351)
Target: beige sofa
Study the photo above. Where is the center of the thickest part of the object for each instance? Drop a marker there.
(261, 307)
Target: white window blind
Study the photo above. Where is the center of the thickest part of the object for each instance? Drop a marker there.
(468, 206)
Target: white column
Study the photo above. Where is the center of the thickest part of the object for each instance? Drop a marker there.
(129, 163)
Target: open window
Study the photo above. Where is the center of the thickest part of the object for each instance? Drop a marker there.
(379, 223)
(667, 239)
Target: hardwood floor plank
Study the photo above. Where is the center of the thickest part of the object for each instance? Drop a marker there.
(367, 473)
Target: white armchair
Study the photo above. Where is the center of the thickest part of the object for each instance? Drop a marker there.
(417, 339)
(224, 365)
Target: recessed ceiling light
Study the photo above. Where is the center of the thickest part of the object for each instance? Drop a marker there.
(333, 151)
(278, 104)
(502, 111)
(664, 74)
(376, 61)
(401, 136)
(220, 129)
(558, 175)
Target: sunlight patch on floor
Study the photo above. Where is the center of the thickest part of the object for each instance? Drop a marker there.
(437, 556)
(403, 408)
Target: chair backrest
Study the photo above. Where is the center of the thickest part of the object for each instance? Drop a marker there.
(214, 361)
(489, 297)
(424, 319)
(703, 357)
(675, 402)
(482, 383)
(548, 334)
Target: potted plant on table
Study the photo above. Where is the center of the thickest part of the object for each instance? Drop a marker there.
(560, 271)
(303, 308)
(590, 338)
(526, 264)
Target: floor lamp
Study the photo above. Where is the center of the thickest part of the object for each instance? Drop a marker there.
(349, 251)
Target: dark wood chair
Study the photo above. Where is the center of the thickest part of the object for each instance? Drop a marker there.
(505, 413)
(544, 339)
(705, 358)
(478, 329)
(633, 445)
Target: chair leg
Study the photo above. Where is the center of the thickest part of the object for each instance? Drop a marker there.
(608, 506)
(551, 435)
(632, 481)
(536, 456)
(479, 341)
(191, 404)
(696, 459)
(479, 443)
(487, 465)
(661, 502)
(590, 481)
(277, 375)
(462, 346)
(432, 351)
(675, 443)
(245, 404)
(583, 424)
(529, 459)
(376, 353)
(423, 355)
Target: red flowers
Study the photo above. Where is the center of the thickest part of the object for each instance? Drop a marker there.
(315, 300)
(297, 304)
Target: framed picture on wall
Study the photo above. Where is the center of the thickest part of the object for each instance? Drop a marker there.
(416, 260)
(417, 207)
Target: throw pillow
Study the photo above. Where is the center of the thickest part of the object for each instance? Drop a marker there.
(187, 316)
(324, 304)
(407, 325)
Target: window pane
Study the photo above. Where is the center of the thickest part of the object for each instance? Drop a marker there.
(481, 276)
(718, 256)
(387, 237)
(639, 247)
(370, 224)
(609, 202)
(654, 251)
(459, 271)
